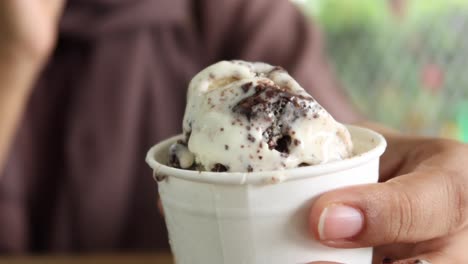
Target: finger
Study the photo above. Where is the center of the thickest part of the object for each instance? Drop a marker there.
(54, 8)
(451, 249)
(410, 208)
(398, 146)
(393, 160)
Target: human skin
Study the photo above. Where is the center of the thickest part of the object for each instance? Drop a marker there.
(27, 36)
(418, 210)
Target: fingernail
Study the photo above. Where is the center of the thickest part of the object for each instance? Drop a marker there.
(339, 221)
(420, 261)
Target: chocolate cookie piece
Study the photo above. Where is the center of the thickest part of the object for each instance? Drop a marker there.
(278, 107)
(218, 167)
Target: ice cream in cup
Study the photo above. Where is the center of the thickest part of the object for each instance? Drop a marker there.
(237, 185)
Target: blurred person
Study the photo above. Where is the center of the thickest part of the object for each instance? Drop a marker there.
(86, 92)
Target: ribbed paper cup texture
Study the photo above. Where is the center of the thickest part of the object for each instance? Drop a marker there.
(257, 217)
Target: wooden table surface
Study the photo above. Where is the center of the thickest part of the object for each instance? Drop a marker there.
(98, 259)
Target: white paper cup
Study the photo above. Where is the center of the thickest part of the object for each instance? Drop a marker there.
(257, 217)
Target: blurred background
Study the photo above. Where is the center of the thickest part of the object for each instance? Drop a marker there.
(403, 62)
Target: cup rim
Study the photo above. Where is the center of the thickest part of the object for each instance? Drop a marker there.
(262, 177)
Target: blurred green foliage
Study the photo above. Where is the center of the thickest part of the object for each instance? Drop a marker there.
(338, 14)
(381, 57)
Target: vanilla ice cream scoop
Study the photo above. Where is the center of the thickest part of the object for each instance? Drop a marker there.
(244, 117)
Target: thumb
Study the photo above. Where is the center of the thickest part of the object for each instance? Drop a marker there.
(410, 208)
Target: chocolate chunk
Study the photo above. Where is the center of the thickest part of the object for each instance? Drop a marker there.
(174, 161)
(226, 147)
(297, 142)
(249, 168)
(246, 87)
(282, 144)
(275, 106)
(270, 134)
(279, 108)
(259, 88)
(221, 129)
(270, 93)
(303, 164)
(218, 167)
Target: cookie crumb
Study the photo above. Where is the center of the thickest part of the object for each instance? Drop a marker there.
(218, 167)
(246, 87)
(297, 142)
